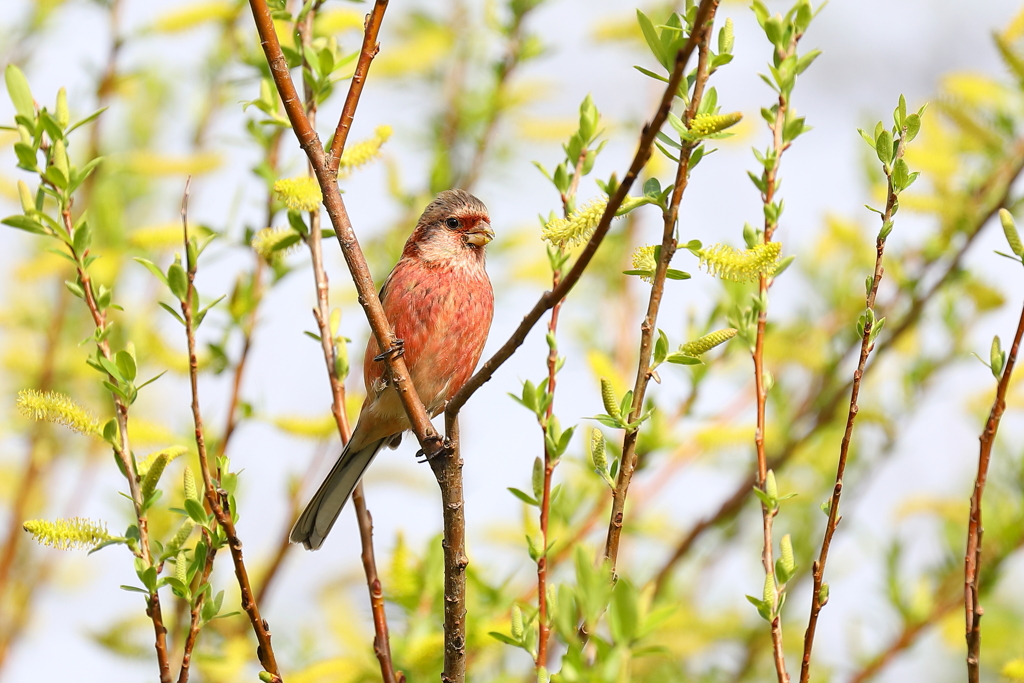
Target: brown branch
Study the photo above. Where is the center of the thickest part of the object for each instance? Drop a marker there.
(382, 641)
(992, 193)
(701, 33)
(448, 471)
(549, 299)
(818, 600)
(216, 497)
(195, 614)
(355, 89)
(972, 557)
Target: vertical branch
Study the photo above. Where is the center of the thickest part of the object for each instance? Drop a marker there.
(701, 33)
(972, 557)
(819, 596)
(381, 641)
(215, 496)
(448, 471)
(195, 614)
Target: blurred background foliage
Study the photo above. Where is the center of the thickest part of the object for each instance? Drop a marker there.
(468, 73)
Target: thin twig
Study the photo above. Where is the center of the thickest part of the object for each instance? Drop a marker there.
(550, 298)
(215, 497)
(818, 599)
(195, 614)
(355, 89)
(972, 558)
(991, 194)
(701, 33)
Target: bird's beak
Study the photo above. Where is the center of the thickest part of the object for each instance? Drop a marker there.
(480, 234)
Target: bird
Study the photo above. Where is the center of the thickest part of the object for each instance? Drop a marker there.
(439, 301)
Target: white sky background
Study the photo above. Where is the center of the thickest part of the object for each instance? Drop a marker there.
(855, 82)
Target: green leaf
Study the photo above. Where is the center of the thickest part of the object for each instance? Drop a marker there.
(673, 274)
(883, 146)
(523, 496)
(683, 359)
(173, 312)
(87, 119)
(195, 511)
(27, 224)
(624, 613)
(177, 281)
(913, 124)
(21, 94)
(508, 640)
(652, 38)
(153, 268)
(126, 364)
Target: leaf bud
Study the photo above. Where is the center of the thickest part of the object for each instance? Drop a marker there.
(597, 450)
(608, 396)
(1010, 230)
(786, 554)
(770, 486)
(61, 113)
(517, 622)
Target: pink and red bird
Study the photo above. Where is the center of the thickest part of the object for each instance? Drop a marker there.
(439, 301)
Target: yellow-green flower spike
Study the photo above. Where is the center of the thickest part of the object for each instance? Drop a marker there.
(597, 449)
(770, 486)
(517, 622)
(59, 155)
(735, 265)
(643, 259)
(704, 344)
(703, 125)
(184, 531)
(1010, 230)
(542, 675)
(61, 113)
(769, 590)
(301, 193)
(611, 406)
(52, 406)
(578, 227)
(172, 453)
(266, 242)
(190, 485)
(25, 195)
(363, 152)
(786, 554)
(181, 567)
(152, 468)
(65, 534)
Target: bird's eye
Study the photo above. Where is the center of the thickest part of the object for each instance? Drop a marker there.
(452, 223)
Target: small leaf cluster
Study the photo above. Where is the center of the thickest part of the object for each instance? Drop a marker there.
(580, 155)
(889, 146)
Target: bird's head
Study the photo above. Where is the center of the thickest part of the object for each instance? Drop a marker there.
(453, 226)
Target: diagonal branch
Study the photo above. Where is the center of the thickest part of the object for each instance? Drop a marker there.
(548, 300)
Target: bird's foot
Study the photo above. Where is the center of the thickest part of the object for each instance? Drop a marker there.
(444, 449)
(397, 350)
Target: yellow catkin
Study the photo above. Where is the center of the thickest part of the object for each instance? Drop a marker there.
(729, 263)
(611, 406)
(184, 531)
(1010, 230)
(28, 202)
(65, 534)
(578, 227)
(707, 342)
(597, 449)
(158, 237)
(1013, 670)
(189, 483)
(266, 241)
(703, 125)
(643, 259)
(300, 194)
(769, 590)
(170, 453)
(361, 153)
(52, 406)
(786, 553)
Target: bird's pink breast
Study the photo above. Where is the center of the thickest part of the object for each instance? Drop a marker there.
(443, 313)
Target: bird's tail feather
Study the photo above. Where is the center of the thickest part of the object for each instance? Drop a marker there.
(316, 520)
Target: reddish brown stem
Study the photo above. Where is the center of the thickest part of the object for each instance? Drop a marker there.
(195, 622)
(701, 35)
(355, 88)
(818, 569)
(972, 557)
(215, 497)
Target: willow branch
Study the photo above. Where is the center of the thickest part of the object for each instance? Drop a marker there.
(216, 498)
(972, 558)
(355, 89)
(195, 614)
(627, 463)
(549, 299)
(818, 600)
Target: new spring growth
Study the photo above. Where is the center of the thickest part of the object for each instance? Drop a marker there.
(770, 595)
(770, 486)
(363, 152)
(181, 568)
(578, 227)
(28, 204)
(704, 125)
(608, 397)
(1009, 229)
(61, 113)
(786, 558)
(643, 259)
(273, 243)
(517, 623)
(184, 531)
(726, 38)
(65, 534)
(735, 265)
(154, 468)
(597, 450)
(300, 194)
(59, 157)
(997, 357)
(542, 675)
(704, 344)
(189, 485)
(537, 480)
(52, 406)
